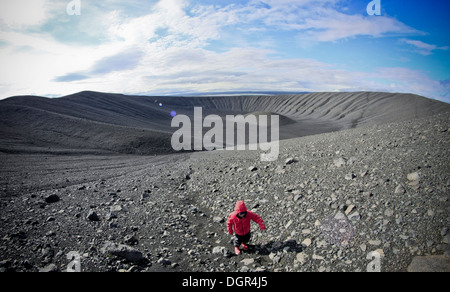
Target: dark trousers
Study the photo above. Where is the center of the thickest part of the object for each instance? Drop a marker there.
(238, 239)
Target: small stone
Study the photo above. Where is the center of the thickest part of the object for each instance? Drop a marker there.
(354, 216)
(306, 231)
(306, 242)
(301, 258)
(218, 249)
(349, 209)
(389, 212)
(111, 216)
(288, 224)
(52, 199)
(51, 268)
(363, 247)
(297, 197)
(400, 189)
(375, 242)
(248, 261)
(413, 176)
(218, 219)
(340, 216)
(93, 216)
(351, 160)
(123, 251)
(339, 162)
(434, 263)
(116, 208)
(131, 240)
(164, 262)
(276, 258)
(290, 161)
(446, 239)
(253, 168)
(221, 250)
(317, 257)
(350, 176)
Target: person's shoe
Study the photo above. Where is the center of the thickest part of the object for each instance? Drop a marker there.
(237, 251)
(244, 246)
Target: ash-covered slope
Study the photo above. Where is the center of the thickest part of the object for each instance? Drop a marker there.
(351, 198)
(92, 122)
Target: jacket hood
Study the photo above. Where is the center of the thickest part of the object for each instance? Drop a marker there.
(240, 207)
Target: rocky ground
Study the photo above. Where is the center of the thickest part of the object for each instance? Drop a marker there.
(370, 198)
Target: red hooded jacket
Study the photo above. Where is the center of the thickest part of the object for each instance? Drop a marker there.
(242, 226)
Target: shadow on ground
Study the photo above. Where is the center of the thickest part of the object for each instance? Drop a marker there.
(274, 247)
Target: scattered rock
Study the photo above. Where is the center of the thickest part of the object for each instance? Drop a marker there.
(93, 216)
(123, 251)
(317, 257)
(301, 258)
(339, 162)
(131, 240)
(51, 268)
(336, 221)
(350, 176)
(414, 179)
(400, 189)
(275, 257)
(290, 161)
(349, 209)
(413, 176)
(389, 212)
(433, 263)
(164, 262)
(221, 250)
(218, 219)
(247, 262)
(354, 216)
(145, 195)
(307, 242)
(52, 199)
(351, 160)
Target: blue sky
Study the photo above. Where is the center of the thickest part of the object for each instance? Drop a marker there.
(163, 47)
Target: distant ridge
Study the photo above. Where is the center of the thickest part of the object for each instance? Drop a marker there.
(234, 93)
(94, 122)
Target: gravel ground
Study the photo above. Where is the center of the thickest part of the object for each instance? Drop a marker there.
(372, 198)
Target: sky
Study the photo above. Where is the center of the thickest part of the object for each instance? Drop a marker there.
(173, 47)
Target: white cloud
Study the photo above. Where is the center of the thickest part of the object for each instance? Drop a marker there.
(336, 26)
(23, 13)
(423, 48)
(399, 79)
(164, 50)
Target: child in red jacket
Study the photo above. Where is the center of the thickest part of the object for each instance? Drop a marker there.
(240, 221)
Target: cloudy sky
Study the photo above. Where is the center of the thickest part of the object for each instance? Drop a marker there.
(160, 47)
